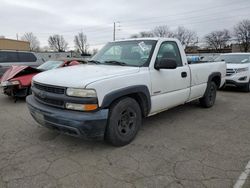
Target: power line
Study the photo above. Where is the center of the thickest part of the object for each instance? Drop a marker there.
(187, 18)
(108, 28)
(188, 12)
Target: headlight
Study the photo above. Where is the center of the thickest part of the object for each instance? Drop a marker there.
(74, 92)
(241, 70)
(10, 83)
(16, 82)
(81, 107)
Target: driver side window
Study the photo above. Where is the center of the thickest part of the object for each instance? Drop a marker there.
(170, 50)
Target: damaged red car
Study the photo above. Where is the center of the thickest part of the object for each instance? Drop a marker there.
(16, 81)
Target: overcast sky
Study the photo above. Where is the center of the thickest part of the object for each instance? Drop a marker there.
(95, 17)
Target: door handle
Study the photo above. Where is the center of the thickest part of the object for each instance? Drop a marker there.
(184, 74)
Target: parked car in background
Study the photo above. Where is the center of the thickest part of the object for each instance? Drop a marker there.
(16, 81)
(238, 69)
(124, 82)
(9, 58)
(199, 59)
(193, 59)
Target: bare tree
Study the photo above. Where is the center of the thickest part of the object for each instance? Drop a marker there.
(186, 37)
(218, 39)
(58, 43)
(162, 31)
(33, 40)
(242, 34)
(80, 41)
(143, 34)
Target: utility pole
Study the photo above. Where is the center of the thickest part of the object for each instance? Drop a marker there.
(117, 27)
(114, 31)
(17, 36)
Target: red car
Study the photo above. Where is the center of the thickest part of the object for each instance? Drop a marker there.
(16, 81)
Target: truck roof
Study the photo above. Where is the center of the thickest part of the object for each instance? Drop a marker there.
(149, 38)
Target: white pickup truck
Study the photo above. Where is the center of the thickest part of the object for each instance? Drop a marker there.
(124, 82)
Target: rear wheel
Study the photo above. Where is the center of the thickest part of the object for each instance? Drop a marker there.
(124, 122)
(208, 99)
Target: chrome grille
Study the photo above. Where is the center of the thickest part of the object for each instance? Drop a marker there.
(49, 95)
(50, 89)
(51, 102)
(230, 72)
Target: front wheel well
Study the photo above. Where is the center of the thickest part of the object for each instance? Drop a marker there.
(140, 93)
(142, 101)
(140, 98)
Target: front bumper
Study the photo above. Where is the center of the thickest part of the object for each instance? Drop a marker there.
(15, 91)
(88, 125)
(236, 84)
(240, 79)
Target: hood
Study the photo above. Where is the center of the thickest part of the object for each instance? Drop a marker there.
(15, 70)
(237, 66)
(81, 75)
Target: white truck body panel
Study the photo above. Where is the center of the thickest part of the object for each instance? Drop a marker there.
(167, 87)
(82, 75)
(111, 84)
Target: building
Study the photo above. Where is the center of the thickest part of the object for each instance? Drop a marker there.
(10, 44)
(238, 48)
(45, 56)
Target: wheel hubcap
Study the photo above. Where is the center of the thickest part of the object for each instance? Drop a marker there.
(126, 122)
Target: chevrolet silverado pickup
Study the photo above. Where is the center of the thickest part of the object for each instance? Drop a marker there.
(123, 83)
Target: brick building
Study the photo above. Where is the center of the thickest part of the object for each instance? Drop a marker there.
(10, 44)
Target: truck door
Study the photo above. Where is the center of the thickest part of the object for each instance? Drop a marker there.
(170, 87)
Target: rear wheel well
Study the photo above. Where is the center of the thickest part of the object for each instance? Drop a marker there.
(216, 80)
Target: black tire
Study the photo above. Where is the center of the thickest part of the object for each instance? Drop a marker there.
(124, 122)
(247, 87)
(209, 98)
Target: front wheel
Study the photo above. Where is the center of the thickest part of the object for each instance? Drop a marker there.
(208, 99)
(124, 122)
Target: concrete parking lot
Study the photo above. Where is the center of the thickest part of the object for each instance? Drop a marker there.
(187, 146)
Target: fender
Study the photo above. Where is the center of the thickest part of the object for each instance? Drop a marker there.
(215, 74)
(141, 91)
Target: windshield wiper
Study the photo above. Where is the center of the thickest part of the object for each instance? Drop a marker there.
(116, 63)
(94, 61)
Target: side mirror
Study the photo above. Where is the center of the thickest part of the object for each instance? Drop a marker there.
(166, 63)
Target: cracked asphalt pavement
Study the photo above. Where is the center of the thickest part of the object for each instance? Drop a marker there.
(187, 146)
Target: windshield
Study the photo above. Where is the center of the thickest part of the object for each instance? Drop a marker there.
(234, 59)
(126, 53)
(48, 65)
